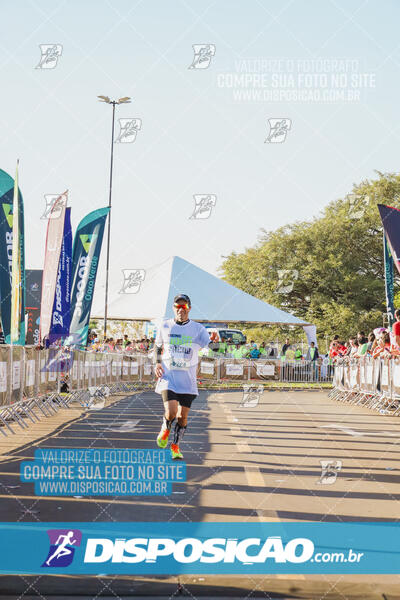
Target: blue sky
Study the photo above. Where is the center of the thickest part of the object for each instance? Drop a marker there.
(197, 137)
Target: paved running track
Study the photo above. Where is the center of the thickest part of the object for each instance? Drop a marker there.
(243, 464)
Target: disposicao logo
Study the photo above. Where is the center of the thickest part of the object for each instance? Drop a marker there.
(190, 550)
(208, 553)
(7, 208)
(87, 239)
(62, 547)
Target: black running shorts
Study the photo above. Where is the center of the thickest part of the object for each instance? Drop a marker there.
(183, 399)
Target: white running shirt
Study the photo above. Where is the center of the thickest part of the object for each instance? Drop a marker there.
(181, 344)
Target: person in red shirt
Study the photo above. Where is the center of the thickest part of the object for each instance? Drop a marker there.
(333, 347)
(396, 327)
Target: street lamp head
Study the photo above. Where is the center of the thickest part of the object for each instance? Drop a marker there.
(124, 100)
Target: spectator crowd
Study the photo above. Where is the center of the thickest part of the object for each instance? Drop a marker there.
(119, 345)
(224, 348)
(379, 343)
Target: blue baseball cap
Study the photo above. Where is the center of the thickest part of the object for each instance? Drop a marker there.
(183, 297)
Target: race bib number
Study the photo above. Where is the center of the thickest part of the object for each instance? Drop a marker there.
(180, 354)
(177, 363)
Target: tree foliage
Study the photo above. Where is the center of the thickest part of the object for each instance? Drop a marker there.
(328, 271)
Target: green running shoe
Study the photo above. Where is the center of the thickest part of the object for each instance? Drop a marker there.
(175, 452)
(162, 439)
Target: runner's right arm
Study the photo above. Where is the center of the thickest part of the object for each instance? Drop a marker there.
(158, 354)
(158, 348)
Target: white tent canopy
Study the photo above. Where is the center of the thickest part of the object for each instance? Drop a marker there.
(212, 298)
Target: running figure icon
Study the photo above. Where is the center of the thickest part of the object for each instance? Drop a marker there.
(62, 549)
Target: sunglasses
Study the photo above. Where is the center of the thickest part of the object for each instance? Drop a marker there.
(184, 306)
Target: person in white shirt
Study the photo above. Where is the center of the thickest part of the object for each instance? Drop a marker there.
(177, 346)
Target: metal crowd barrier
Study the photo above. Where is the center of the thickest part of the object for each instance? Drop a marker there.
(37, 383)
(230, 369)
(374, 383)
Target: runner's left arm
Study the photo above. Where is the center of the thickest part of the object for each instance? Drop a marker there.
(204, 339)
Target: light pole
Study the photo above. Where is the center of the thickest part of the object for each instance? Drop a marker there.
(124, 100)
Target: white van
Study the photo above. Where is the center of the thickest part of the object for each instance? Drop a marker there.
(235, 335)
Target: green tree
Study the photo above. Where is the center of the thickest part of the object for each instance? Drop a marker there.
(328, 271)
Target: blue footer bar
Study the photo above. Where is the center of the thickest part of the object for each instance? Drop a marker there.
(194, 548)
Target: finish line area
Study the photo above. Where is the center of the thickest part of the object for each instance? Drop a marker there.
(247, 465)
(243, 464)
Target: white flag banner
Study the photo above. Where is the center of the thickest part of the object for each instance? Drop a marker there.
(55, 232)
(311, 333)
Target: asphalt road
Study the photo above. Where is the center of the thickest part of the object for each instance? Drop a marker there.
(243, 464)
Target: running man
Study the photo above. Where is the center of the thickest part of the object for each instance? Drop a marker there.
(180, 340)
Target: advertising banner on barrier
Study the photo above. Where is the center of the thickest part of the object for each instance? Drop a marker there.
(85, 259)
(396, 376)
(264, 369)
(31, 372)
(146, 369)
(5, 359)
(134, 368)
(233, 368)
(16, 374)
(207, 368)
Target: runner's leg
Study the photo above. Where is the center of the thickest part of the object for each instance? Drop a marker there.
(181, 424)
(170, 411)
